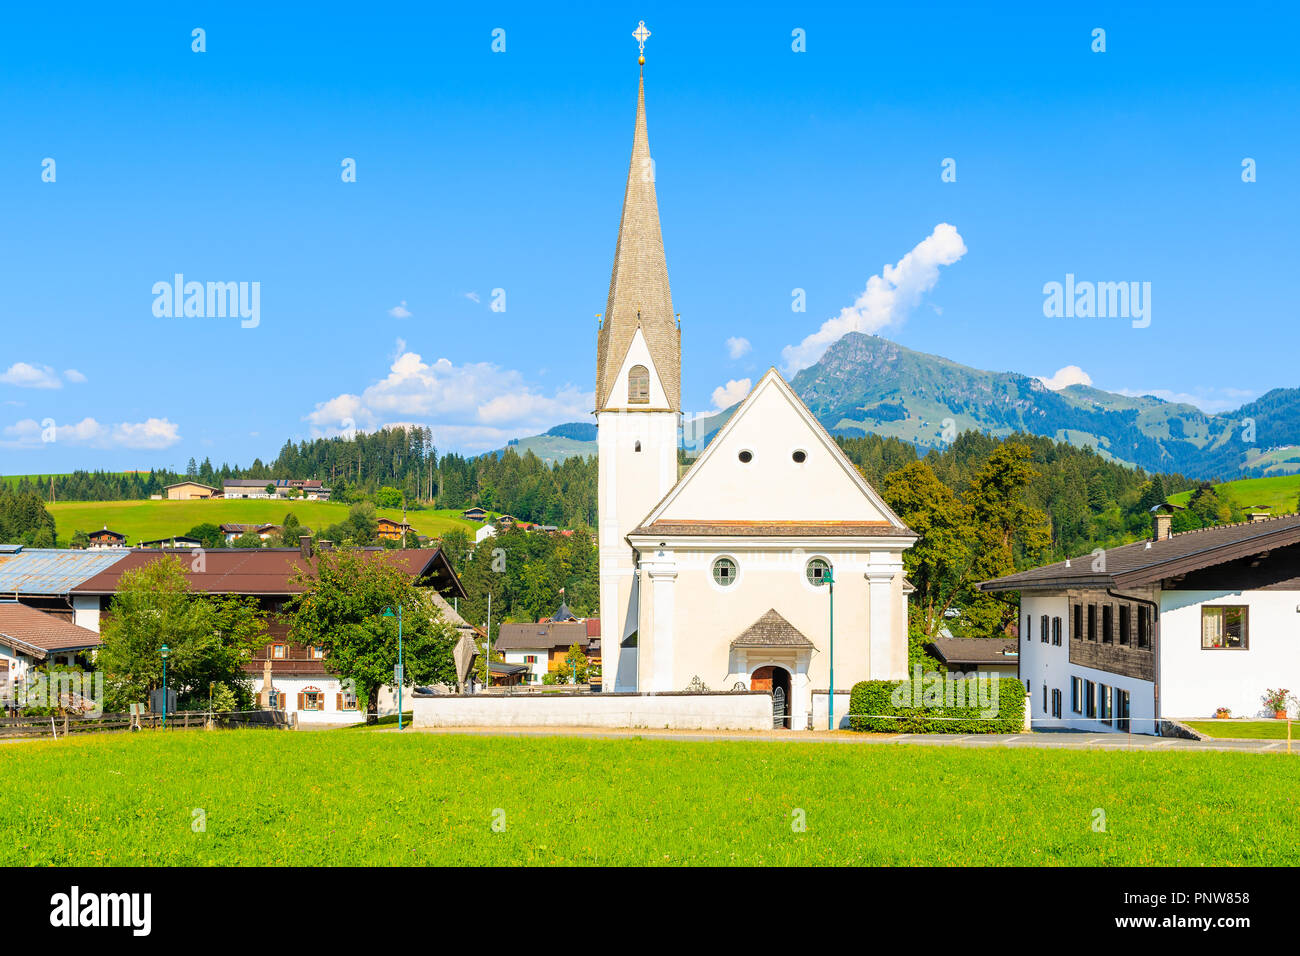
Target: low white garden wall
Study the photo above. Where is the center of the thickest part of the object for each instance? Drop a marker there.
(819, 710)
(734, 711)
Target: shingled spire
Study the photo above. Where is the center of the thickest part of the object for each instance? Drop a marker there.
(638, 287)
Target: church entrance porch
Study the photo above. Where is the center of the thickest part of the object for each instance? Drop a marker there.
(776, 681)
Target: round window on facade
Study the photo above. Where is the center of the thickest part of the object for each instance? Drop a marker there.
(817, 570)
(799, 456)
(746, 457)
(724, 572)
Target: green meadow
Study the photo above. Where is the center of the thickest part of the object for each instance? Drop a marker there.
(261, 797)
(144, 520)
(1276, 495)
(1247, 729)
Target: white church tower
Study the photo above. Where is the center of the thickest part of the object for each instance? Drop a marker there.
(638, 402)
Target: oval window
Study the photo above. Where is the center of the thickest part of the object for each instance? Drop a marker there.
(817, 571)
(800, 456)
(724, 572)
(746, 457)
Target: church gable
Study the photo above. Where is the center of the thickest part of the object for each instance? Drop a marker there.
(772, 464)
(638, 385)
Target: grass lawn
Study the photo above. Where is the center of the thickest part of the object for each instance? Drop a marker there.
(1276, 495)
(149, 520)
(1245, 729)
(341, 797)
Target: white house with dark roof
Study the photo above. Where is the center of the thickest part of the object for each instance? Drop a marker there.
(1169, 628)
(720, 579)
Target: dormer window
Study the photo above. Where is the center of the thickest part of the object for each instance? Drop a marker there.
(638, 385)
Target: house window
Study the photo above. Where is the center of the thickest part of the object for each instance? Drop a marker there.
(1056, 631)
(817, 570)
(279, 652)
(1092, 623)
(311, 699)
(637, 448)
(1144, 627)
(1029, 627)
(1223, 627)
(1103, 703)
(1078, 622)
(273, 699)
(1089, 699)
(1108, 624)
(348, 700)
(316, 653)
(1056, 702)
(1076, 695)
(1125, 624)
(638, 385)
(1042, 629)
(1044, 698)
(530, 658)
(724, 572)
(1121, 709)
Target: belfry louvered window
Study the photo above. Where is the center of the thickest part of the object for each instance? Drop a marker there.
(638, 385)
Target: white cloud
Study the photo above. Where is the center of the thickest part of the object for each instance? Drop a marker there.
(1070, 375)
(153, 433)
(737, 346)
(72, 375)
(26, 375)
(724, 396)
(887, 298)
(1205, 400)
(473, 407)
(400, 311)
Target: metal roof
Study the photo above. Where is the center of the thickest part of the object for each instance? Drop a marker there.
(52, 570)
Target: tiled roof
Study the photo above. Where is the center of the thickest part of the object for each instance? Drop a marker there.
(775, 529)
(41, 632)
(515, 637)
(1145, 562)
(771, 630)
(270, 571)
(975, 650)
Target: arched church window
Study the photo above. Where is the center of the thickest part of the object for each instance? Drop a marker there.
(817, 570)
(638, 446)
(638, 385)
(724, 572)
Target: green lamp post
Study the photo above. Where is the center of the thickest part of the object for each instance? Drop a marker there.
(165, 654)
(401, 671)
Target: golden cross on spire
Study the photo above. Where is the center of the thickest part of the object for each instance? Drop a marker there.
(641, 34)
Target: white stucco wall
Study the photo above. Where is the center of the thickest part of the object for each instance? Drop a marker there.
(676, 711)
(536, 668)
(1194, 682)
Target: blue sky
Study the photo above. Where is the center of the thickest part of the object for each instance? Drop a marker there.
(776, 170)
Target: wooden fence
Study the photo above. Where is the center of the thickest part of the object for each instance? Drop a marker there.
(55, 726)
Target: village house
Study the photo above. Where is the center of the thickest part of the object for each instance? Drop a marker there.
(104, 538)
(474, 514)
(390, 530)
(190, 491)
(1170, 628)
(30, 638)
(977, 655)
(286, 675)
(543, 646)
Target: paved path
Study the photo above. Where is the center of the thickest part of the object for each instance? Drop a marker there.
(1047, 741)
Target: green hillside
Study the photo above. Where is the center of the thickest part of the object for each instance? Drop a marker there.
(1276, 495)
(148, 520)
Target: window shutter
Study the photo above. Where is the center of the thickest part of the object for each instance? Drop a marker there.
(301, 700)
(338, 701)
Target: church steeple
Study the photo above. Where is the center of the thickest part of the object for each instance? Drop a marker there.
(638, 287)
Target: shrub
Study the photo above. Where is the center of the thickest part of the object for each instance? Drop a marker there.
(938, 698)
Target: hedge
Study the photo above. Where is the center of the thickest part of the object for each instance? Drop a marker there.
(876, 697)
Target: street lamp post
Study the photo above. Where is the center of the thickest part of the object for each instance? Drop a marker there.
(401, 671)
(829, 579)
(165, 653)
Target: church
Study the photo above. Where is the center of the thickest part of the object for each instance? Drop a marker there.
(767, 564)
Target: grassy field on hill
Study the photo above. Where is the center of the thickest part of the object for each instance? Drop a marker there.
(1277, 495)
(272, 798)
(147, 520)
